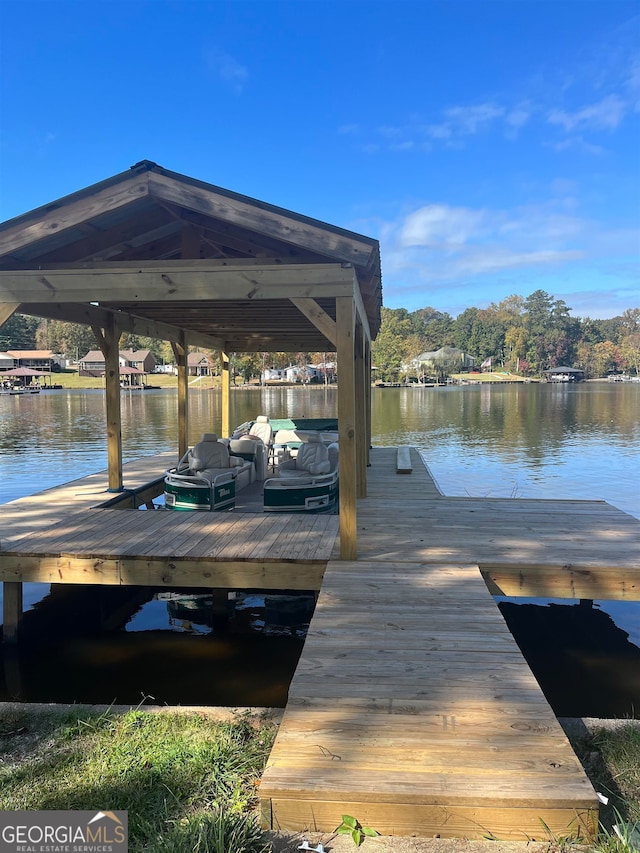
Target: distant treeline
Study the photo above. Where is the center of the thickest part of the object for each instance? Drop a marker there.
(521, 335)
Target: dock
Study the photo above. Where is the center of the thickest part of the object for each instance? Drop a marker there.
(412, 707)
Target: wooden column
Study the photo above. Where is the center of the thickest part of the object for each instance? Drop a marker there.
(108, 338)
(226, 395)
(367, 386)
(347, 427)
(361, 413)
(11, 610)
(180, 351)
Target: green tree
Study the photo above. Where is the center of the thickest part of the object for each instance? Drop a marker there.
(391, 348)
(606, 358)
(19, 332)
(630, 351)
(552, 334)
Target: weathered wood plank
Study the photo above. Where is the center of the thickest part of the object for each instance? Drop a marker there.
(403, 464)
(175, 281)
(340, 743)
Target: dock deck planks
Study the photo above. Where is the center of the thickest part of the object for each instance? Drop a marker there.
(412, 708)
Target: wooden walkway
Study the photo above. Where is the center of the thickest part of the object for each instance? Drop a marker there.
(412, 707)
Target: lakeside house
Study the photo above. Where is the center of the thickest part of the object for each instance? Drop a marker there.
(140, 360)
(200, 364)
(32, 359)
(444, 359)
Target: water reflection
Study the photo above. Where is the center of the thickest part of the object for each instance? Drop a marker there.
(123, 644)
(556, 441)
(585, 664)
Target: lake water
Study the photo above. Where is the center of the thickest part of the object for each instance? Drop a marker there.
(561, 441)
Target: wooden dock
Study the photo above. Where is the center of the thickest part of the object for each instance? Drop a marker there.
(412, 708)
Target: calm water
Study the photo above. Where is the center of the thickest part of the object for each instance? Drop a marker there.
(564, 441)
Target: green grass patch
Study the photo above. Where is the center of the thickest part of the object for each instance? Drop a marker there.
(69, 379)
(611, 759)
(184, 780)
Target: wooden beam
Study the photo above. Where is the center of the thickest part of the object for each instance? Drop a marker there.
(225, 236)
(346, 429)
(7, 310)
(226, 394)
(615, 583)
(163, 571)
(361, 311)
(360, 412)
(108, 339)
(319, 317)
(180, 351)
(174, 281)
(100, 244)
(58, 218)
(260, 219)
(91, 315)
(367, 379)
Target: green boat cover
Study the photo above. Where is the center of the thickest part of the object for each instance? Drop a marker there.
(320, 424)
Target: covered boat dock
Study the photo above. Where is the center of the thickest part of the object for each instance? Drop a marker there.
(411, 707)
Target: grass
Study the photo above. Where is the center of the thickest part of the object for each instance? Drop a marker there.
(70, 379)
(187, 782)
(611, 759)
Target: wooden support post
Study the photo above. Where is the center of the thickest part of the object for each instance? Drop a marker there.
(226, 395)
(347, 428)
(108, 338)
(361, 417)
(367, 386)
(220, 610)
(180, 351)
(11, 610)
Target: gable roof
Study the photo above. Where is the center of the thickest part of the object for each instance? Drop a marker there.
(181, 235)
(30, 353)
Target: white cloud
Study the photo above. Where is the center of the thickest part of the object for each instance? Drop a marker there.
(519, 115)
(440, 226)
(606, 114)
(453, 257)
(471, 120)
(439, 242)
(577, 143)
(228, 69)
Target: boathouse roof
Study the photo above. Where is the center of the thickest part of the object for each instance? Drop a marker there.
(188, 254)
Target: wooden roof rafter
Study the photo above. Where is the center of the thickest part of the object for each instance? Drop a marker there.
(149, 243)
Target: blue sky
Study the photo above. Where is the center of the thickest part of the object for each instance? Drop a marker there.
(492, 147)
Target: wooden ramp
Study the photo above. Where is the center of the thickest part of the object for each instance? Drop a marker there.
(412, 707)
(413, 710)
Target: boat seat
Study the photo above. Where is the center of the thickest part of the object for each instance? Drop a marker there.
(210, 457)
(261, 429)
(253, 451)
(312, 459)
